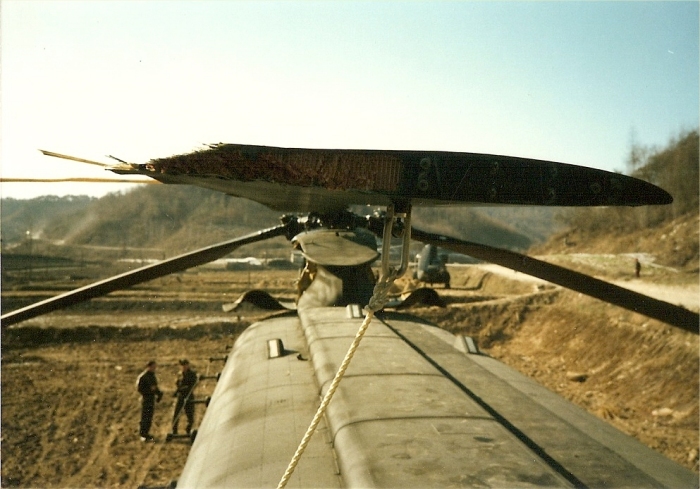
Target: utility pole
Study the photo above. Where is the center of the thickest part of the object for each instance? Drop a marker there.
(29, 245)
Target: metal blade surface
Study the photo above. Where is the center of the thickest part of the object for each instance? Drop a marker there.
(579, 282)
(140, 275)
(323, 180)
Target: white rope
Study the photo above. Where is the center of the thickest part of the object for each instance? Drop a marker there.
(376, 303)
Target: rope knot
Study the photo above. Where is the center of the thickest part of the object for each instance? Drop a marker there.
(380, 295)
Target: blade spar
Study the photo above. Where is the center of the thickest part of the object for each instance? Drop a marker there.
(140, 275)
(579, 282)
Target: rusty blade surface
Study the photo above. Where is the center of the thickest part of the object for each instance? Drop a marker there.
(323, 179)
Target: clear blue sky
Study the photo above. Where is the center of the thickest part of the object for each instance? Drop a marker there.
(566, 81)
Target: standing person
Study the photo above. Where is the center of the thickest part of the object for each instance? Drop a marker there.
(637, 267)
(147, 385)
(185, 396)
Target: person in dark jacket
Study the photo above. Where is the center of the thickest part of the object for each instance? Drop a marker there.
(147, 385)
(185, 396)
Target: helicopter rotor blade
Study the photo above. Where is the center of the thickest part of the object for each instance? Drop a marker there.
(74, 180)
(143, 274)
(579, 282)
(75, 158)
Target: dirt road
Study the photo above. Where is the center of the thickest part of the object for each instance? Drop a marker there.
(686, 295)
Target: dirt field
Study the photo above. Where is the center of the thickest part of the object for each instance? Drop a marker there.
(70, 410)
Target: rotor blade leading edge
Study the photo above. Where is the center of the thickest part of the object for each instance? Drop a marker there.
(134, 277)
(579, 282)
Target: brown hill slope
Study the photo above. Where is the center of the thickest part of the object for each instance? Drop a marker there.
(165, 220)
(675, 243)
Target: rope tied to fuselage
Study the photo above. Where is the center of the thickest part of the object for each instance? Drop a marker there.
(380, 296)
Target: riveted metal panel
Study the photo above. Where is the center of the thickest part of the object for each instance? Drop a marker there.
(259, 412)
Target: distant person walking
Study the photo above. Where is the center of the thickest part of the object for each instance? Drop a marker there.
(186, 382)
(637, 267)
(147, 385)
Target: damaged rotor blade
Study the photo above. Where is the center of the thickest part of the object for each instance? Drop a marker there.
(74, 180)
(134, 277)
(579, 282)
(74, 158)
(329, 180)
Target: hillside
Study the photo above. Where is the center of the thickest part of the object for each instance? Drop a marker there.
(674, 243)
(667, 233)
(22, 216)
(158, 220)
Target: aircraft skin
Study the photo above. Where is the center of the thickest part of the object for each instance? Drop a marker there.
(415, 409)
